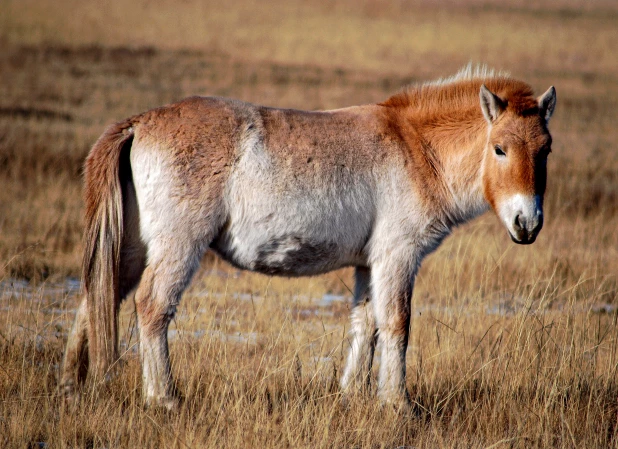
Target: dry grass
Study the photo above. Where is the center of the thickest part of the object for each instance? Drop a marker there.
(397, 36)
(260, 371)
(511, 346)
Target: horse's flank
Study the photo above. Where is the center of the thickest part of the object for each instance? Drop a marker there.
(294, 193)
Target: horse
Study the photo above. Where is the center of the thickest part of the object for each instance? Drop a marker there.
(300, 193)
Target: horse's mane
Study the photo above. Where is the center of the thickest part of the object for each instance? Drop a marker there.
(462, 91)
(468, 73)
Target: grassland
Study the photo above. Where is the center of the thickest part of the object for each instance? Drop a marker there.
(511, 346)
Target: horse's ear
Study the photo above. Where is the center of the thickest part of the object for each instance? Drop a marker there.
(491, 104)
(547, 103)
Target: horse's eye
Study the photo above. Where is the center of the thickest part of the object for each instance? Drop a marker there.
(499, 151)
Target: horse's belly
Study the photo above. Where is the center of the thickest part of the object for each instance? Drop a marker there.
(280, 222)
(287, 251)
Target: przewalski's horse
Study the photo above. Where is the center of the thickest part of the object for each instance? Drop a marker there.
(295, 193)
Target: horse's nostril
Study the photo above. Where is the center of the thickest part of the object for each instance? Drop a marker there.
(517, 223)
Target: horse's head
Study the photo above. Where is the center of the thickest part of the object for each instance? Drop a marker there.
(515, 159)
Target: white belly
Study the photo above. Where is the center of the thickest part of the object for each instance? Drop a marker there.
(284, 229)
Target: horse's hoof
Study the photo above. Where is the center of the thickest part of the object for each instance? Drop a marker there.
(400, 403)
(69, 395)
(167, 403)
(352, 397)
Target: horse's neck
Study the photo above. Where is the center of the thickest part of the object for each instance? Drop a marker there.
(458, 155)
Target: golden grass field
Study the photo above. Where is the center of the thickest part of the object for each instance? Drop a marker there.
(511, 347)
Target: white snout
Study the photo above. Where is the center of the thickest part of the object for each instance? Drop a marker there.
(522, 216)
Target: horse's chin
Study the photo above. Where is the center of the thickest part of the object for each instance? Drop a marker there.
(527, 241)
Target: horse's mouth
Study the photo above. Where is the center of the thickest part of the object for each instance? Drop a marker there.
(526, 239)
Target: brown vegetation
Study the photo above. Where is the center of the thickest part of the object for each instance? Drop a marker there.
(511, 346)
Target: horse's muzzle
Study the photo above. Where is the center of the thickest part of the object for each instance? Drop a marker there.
(525, 230)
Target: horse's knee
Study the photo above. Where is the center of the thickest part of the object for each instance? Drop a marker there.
(154, 313)
(395, 329)
(393, 313)
(154, 317)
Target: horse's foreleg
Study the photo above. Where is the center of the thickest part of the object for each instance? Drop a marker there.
(75, 364)
(392, 293)
(356, 375)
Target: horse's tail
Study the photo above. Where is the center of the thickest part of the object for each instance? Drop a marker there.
(105, 170)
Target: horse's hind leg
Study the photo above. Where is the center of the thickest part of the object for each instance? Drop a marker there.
(132, 260)
(363, 333)
(167, 274)
(75, 365)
